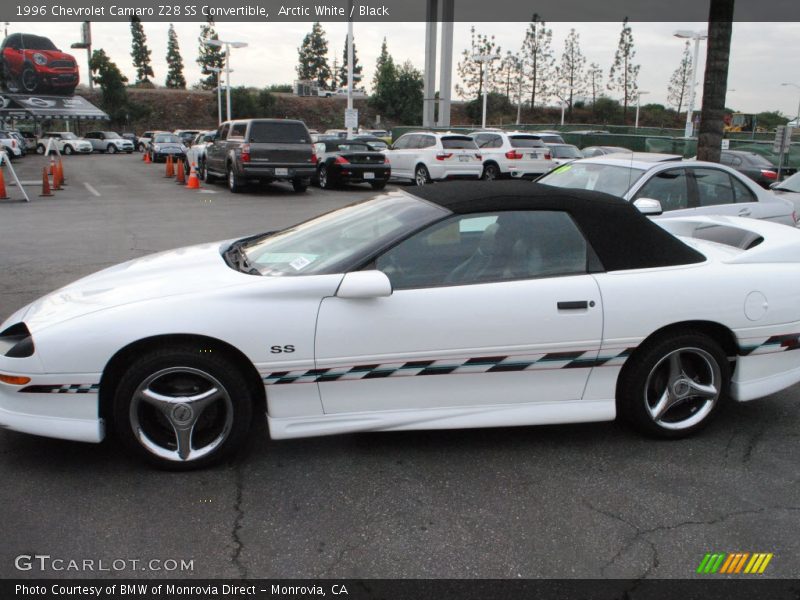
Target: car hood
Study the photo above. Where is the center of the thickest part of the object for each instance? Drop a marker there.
(175, 272)
(51, 54)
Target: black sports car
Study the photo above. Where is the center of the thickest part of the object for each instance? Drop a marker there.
(347, 161)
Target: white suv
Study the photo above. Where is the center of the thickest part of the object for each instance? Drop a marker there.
(425, 156)
(512, 153)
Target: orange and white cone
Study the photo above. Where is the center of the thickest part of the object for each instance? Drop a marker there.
(170, 167)
(180, 178)
(3, 193)
(194, 180)
(45, 184)
(61, 177)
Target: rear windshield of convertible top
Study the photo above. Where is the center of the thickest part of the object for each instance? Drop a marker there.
(278, 133)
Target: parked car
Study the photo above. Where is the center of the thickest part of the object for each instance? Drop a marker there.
(341, 133)
(263, 150)
(512, 154)
(789, 189)
(564, 153)
(21, 141)
(752, 165)
(350, 161)
(66, 141)
(10, 144)
(549, 137)
(133, 139)
(166, 144)
(186, 135)
(143, 144)
(364, 319)
(424, 157)
(33, 65)
(592, 151)
(109, 141)
(197, 149)
(681, 187)
(375, 142)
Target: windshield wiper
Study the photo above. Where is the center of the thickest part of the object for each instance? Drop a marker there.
(237, 258)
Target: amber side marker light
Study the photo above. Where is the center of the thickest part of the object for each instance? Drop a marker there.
(14, 379)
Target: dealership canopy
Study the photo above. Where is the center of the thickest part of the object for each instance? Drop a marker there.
(23, 106)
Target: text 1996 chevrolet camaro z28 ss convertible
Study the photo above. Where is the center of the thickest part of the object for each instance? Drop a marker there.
(463, 305)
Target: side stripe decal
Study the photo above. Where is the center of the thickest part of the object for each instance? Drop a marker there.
(480, 364)
(65, 388)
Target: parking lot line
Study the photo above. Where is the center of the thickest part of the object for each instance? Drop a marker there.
(91, 189)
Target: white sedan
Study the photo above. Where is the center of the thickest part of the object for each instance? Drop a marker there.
(462, 305)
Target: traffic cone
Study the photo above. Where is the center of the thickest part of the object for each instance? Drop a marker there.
(144, 156)
(52, 166)
(3, 194)
(170, 167)
(61, 171)
(45, 184)
(147, 158)
(56, 179)
(194, 180)
(181, 177)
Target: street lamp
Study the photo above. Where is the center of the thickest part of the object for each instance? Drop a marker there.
(228, 45)
(797, 118)
(638, 102)
(484, 58)
(696, 36)
(218, 70)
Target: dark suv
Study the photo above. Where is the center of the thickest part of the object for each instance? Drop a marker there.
(33, 64)
(262, 150)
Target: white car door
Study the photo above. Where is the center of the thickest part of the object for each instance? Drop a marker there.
(401, 155)
(487, 310)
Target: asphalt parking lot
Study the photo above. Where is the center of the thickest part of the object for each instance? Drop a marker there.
(588, 501)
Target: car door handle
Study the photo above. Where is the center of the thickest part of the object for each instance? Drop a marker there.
(574, 305)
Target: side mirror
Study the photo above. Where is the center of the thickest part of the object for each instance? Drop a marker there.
(648, 206)
(362, 285)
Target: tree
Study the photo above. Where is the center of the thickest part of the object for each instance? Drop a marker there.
(313, 58)
(539, 61)
(715, 82)
(594, 82)
(209, 57)
(510, 74)
(140, 52)
(680, 80)
(106, 74)
(474, 73)
(357, 67)
(408, 96)
(175, 78)
(570, 72)
(384, 80)
(623, 73)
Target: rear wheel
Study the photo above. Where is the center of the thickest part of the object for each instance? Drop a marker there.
(324, 178)
(378, 185)
(40, 149)
(421, 175)
(234, 185)
(299, 185)
(490, 172)
(111, 149)
(182, 408)
(68, 150)
(674, 385)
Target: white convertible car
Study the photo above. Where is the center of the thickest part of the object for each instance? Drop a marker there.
(463, 305)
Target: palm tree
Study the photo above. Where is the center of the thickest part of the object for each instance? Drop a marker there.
(715, 84)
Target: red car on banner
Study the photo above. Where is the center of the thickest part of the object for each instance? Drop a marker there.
(33, 64)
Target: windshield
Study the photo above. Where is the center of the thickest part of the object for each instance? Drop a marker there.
(35, 42)
(332, 242)
(525, 141)
(167, 139)
(611, 179)
(565, 152)
(68, 136)
(110, 134)
(792, 184)
(349, 147)
(271, 132)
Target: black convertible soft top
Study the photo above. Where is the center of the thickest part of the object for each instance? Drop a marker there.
(622, 237)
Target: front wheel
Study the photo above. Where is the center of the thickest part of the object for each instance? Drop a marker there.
(674, 385)
(111, 149)
(421, 175)
(182, 408)
(40, 149)
(68, 150)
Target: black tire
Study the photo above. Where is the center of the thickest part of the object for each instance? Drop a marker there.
(377, 185)
(214, 427)
(68, 150)
(40, 149)
(29, 79)
(324, 178)
(141, 148)
(111, 149)
(234, 185)
(204, 174)
(490, 172)
(668, 368)
(421, 175)
(299, 185)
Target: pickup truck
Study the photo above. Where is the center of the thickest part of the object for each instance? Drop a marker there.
(263, 150)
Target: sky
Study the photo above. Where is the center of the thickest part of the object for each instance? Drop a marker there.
(763, 55)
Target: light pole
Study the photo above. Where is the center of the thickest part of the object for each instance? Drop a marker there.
(638, 102)
(797, 118)
(218, 70)
(484, 58)
(696, 36)
(228, 45)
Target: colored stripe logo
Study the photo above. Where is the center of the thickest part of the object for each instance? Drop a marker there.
(734, 563)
